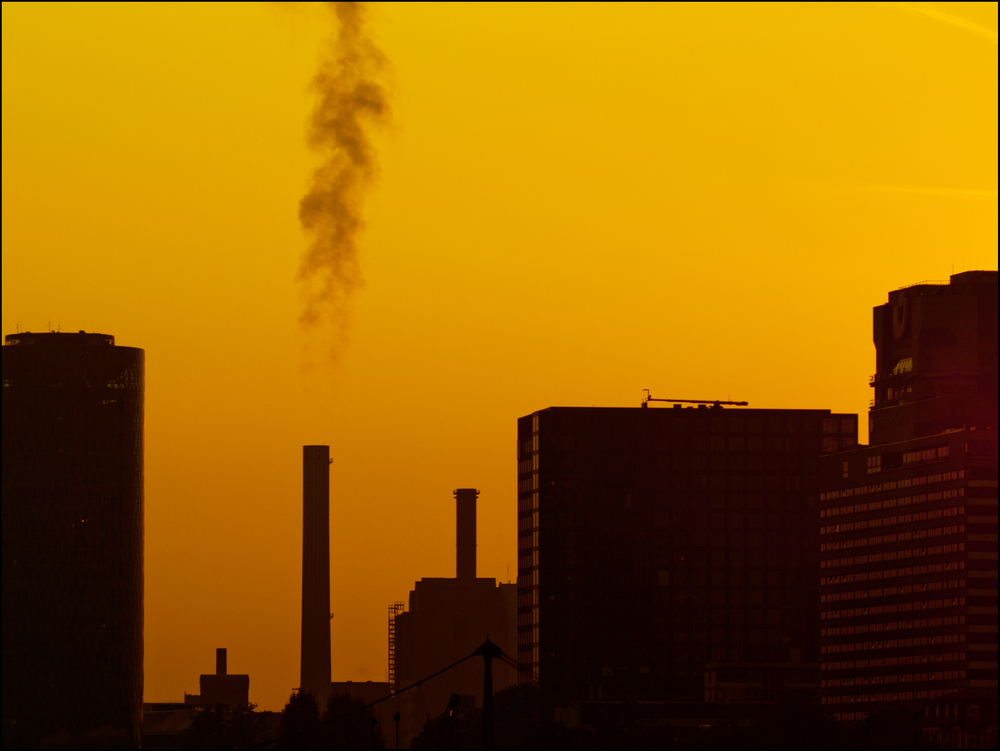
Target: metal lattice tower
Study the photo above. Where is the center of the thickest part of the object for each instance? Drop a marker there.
(395, 609)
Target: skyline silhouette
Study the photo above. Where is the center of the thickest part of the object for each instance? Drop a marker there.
(573, 205)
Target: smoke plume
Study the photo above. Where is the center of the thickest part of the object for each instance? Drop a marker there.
(351, 102)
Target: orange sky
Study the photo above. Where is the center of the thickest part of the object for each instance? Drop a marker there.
(575, 203)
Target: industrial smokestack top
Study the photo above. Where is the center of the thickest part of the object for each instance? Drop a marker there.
(465, 533)
(220, 661)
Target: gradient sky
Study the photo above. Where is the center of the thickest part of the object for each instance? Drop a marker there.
(575, 203)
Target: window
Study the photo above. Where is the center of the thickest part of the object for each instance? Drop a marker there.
(903, 366)
(874, 464)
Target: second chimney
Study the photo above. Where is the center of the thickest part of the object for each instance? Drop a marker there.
(465, 533)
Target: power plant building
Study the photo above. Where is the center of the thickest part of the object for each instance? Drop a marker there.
(72, 537)
(223, 688)
(909, 523)
(654, 543)
(446, 620)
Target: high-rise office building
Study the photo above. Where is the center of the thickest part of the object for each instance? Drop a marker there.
(72, 536)
(653, 542)
(908, 538)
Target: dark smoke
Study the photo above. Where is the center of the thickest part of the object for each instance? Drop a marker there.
(351, 103)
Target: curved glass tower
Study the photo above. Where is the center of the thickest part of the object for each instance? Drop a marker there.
(72, 537)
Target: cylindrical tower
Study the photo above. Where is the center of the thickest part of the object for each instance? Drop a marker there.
(465, 533)
(315, 675)
(72, 536)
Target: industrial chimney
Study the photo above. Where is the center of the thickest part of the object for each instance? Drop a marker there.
(465, 533)
(315, 675)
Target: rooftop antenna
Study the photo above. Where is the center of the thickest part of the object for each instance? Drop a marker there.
(716, 403)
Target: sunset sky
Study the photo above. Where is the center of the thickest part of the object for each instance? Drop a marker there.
(573, 203)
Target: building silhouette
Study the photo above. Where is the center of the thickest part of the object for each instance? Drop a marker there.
(72, 536)
(222, 687)
(656, 542)
(909, 523)
(447, 619)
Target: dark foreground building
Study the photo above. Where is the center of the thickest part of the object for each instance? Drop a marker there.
(909, 523)
(654, 542)
(72, 537)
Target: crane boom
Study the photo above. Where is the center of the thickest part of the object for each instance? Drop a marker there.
(713, 402)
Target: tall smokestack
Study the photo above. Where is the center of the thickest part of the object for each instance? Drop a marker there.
(220, 661)
(315, 676)
(465, 533)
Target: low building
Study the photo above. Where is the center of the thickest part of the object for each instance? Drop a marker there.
(963, 719)
(222, 687)
(747, 682)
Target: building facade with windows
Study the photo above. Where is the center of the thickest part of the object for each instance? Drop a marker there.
(908, 537)
(652, 542)
(72, 537)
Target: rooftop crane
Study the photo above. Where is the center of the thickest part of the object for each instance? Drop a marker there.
(716, 403)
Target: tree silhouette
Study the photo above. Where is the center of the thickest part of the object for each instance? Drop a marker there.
(300, 722)
(223, 727)
(347, 724)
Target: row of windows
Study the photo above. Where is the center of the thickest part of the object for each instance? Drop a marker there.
(528, 465)
(528, 657)
(888, 696)
(871, 646)
(527, 599)
(900, 607)
(888, 521)
(527, 503)
(875, 680)
(894, 555)
(525, 543)
(529, 618)
(527, 522)
(879, 462)
(890, 591)
(526, 638)
(919, 534)
(526, 447)
(892, 502)
(529, 579)
(891, 573)
(527, 561)
(866, 628)
(528, 484)
(881, 487)
(894, 661)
